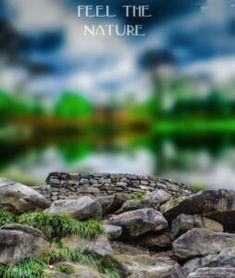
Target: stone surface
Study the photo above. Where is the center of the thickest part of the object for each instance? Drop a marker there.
(226, 258)
(128, 249)
(218, 205)
(184, 223)
(112, 202)
(82, 208)
(146, 266)
(98, 245)
(72, 184)
(136, 204)
(200, 242)
(138, 222)
(214, 272)
(155, 241)
(19, 198)
(158, 196)
(18, 242)
(112, 232)
(81, 271)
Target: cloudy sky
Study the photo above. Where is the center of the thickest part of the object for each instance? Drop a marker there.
(43, 49)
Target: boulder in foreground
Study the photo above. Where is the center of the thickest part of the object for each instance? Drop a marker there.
(184, 223)
(142, 266)
(18, 242)
(201, 242)
(218, 205)
(138, 222)
(226, 258)
(82, 208)
(214, 272)
(18, 198)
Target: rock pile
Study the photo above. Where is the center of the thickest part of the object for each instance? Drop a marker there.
(164, 231)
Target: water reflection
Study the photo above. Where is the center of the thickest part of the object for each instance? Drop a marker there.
(201, 161)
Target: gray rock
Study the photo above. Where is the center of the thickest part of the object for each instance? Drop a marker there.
(218, 205)
(19, 198)
(184, 223)
(18, 242)
(201, 242)
(112, 232)
(226, 258)
(213, 272)
(98, 245)
(136, 204)
(146, 266)
(158, 196)
(138, 222)
(82, 208)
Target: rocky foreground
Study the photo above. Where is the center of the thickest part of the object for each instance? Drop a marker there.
(161, 230)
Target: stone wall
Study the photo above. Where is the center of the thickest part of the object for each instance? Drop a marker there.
(66, 185)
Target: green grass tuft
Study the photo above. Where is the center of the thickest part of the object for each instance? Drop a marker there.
(6, 218)
(56, 226)
(65, 268)
(62, 253)
(29, 268)
(138, 196)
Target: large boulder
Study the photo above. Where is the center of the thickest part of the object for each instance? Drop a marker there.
(184, 223)
(99, 245)
(18, 198)
(142, 266)
(226, 258)
(82, 208)
(18, 242)
(158, 196)
(138, 222)
(218, 205)
(213, 272)
(201, 242)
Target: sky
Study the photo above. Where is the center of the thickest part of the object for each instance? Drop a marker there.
(43, 50)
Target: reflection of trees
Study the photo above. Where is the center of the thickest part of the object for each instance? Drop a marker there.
(75, 151)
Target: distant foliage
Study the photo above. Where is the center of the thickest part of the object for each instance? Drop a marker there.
(73, 105)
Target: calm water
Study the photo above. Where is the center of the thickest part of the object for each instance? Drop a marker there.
(199, 161)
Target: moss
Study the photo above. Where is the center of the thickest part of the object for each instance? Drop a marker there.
(65, 268)
(6, 218)
(56, 226)
(138, 196)
(30, 267)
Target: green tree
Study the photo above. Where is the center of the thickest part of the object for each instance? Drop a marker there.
(73, 105)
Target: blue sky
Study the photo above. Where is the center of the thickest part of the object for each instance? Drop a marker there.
(43, 49)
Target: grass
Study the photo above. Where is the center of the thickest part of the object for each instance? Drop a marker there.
(6, 218)
(62, 253)
(56, 226)
(28, 268)
(65, 268)
(138, 196)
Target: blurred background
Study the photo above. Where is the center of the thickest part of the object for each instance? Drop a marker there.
(161, 105)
